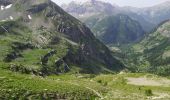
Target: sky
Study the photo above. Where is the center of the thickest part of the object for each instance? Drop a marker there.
(133, 3)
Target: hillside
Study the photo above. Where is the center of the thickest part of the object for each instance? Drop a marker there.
(38, 40)
(38, 35)
(119, 29)
(157, 48)
(152, 53)
(105, 22)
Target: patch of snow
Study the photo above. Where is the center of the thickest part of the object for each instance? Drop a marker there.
(11, 17)
(8, 6)
(29, 16)
(4, 28)
(3, 20)
(2, 8)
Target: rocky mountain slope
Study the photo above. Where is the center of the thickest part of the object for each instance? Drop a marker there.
(97, 15)
(118, 29)
(152, 53)
(152, 15)
(37, 36)
(148, 17)
(89, 8)
(157, 48)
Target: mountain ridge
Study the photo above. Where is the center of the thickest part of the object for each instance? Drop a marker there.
(151, 54)
(143, 15)
(49, 28)
(119, 29)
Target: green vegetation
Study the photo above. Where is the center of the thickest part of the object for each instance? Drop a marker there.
(47, 42)
(54, 56)
(41, 56)
(117, 30)
(148, 92)
(20, 86)
(150, 55)
(15, 85)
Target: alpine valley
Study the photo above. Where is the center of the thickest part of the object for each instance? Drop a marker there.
(112, 53)
(118, 25)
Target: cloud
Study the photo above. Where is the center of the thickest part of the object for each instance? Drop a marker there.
(134, 3)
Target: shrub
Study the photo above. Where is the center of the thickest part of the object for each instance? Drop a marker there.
(99, 81)
(148, 92)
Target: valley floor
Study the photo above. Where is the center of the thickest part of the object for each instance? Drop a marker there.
(123, 86)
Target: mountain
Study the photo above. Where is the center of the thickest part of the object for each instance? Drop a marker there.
(39, 42)
(38, 36)
(133, 13)
(157, 48)
(152, 15)
(156, 14)
(152, 54)
(45, 53)
(97, 15)
(89, 8)
(118, 29)
(148, 17)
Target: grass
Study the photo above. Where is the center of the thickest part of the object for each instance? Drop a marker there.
(119, 89)
(74, 86)
(31, 57)
(15, 85)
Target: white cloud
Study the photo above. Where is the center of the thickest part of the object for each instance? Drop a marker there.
(134, 3)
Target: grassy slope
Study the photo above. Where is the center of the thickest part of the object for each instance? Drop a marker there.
(30, 57)
(76, 86)
(15, 86)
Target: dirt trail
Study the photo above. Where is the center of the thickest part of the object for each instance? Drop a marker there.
(159, 96)
(143, 81)
(97, 93)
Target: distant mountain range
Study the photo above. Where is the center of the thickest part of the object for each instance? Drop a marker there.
(92, 11)
(154, 15)
(87, 9)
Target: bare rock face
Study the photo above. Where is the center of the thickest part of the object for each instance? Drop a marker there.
(89, 8)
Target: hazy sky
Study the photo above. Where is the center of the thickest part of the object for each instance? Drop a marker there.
(134, 3)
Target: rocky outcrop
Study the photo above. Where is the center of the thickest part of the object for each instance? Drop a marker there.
(44, 59)
(61, 66)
